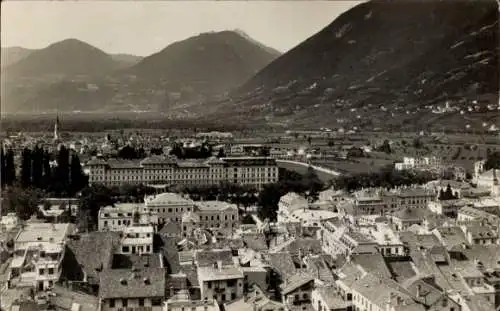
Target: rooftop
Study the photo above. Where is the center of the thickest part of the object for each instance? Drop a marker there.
(126, 283)
(43, 232)
(222, 273)
(167, 198)
(215, 206)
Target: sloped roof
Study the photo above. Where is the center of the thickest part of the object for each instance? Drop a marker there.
(125, 283)
(92, 251)
(209, 257)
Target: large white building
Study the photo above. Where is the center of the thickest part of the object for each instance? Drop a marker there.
(137, 240)
(39, 251)
(167, 170)
(217, 216)
(120, 216)
(169, 206)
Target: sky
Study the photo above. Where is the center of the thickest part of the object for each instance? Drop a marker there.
(145, 27)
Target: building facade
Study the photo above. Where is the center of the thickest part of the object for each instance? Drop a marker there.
(120, 216)
(156, 170)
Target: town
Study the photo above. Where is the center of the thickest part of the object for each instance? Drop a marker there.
(301, 220)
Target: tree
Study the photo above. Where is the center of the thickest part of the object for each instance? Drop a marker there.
(62, 172)
(492, 161)
(221, 153)
(47, 171)
(156, 151)
(37, 167)
(2, 168)
(91, 200)
(417, 143)
(77, 179)
(385, 147)
(10, 169)
(26, 168)
(268, 202)
(23, 202)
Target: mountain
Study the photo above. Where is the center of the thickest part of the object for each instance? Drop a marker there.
(69, 57)
(11, 55)
(126, 60)
(381, 64)
(208, 64)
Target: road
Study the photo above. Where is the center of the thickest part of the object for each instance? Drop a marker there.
(300, 167)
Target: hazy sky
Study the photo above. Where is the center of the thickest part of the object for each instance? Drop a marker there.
(142, 28)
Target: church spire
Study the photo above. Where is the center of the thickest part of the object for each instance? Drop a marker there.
(56, 128)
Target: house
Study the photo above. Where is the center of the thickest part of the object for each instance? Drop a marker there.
(86, 256)
(326, 298)
(120, 216)
(220, 282)
(297, 290)
(38, 253)
(132, 288)
(137, 240)
(256, 299)
(182, 301)
(291, 202)
(481, 234)
(168, 206)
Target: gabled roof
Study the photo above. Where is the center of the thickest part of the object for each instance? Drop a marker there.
(210, 257)
(296, 281)
(92, 252)
(125, 283)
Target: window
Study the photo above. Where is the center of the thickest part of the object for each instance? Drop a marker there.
(51, 270)
(233, 296)
(125, 249)
(209, 284)
(223, 297)
(156, 301)
(41, 271)
(141, 302)
(124, 303)
(111, 303)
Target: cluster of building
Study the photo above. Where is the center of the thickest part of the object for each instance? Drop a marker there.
(400, 249)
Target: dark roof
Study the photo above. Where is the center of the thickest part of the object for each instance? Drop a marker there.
(282, 262)
(420, 240)
(170, 254)
(210, 257)
(129, 261)
(305, 245)
(373, 263)
(125, 283)
(91, 252)
(170, 229)
(255, 241)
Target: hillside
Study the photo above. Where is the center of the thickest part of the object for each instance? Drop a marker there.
(382, 64)
(11, 55)
(126, 60)
(69, 57)
(208, 64)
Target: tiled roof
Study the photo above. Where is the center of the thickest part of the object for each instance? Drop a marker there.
(125, 283)
(92, 252)
(282, 262)
(123, 261)
(373, 263)
(210, 257)
(295, 281)
(255, 241)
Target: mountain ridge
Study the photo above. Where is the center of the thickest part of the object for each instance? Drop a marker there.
(402, 56)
